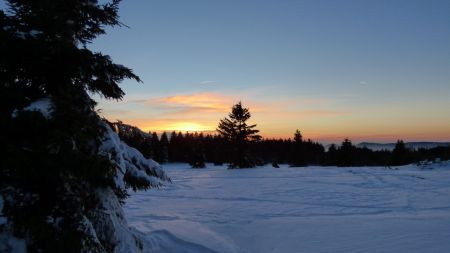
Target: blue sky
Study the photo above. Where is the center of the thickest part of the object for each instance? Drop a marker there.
(367, 70)
(364, 69)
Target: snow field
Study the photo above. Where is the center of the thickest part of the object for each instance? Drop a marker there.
(313, 209)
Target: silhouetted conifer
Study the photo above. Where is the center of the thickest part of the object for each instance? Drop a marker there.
(399, 154)
(346, 153)
(298, 151)
(197, 156)
(163, 155)
(332, 155)
(238, 134)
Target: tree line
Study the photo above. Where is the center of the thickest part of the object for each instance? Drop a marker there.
(197, 148)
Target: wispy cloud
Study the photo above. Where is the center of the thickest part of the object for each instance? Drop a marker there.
(363, 83)
(204, 109)
(203, 101)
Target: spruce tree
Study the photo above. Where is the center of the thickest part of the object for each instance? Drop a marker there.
(399, 154)
(346, 154)
(54, 165)
(298, 138)
(331, 155)
(155, 147)
(298, 151)
(173, 146)
(197, 155)
(164, 144)
(238, 134)
(219, 150)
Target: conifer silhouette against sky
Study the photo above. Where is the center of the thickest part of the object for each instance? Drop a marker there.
(366, 70)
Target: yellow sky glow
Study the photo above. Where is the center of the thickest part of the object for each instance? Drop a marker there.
(185, 127)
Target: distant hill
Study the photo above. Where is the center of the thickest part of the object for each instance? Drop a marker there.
(410, 145)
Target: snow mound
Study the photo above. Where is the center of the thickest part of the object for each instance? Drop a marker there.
(162, 241)
(111, 227)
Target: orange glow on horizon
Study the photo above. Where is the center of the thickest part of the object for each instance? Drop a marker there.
(313, 132)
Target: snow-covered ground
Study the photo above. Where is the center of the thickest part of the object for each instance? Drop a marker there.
(314, 209)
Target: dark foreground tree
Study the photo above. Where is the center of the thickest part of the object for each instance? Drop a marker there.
(238, 134)
(61, 167)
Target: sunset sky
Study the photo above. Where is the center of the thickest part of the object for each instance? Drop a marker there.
(366, 70)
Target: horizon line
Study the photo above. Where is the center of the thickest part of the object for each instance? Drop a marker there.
(358, 140)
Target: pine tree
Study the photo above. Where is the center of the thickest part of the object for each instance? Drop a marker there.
(155, 147)
(331, 156)
(298, 138)
(173, 147)
(236, 131)
(219, 150)
(298, 151)
(346, 154)
(164, 151)
(197, 156)
(53, 166)
(399, 154)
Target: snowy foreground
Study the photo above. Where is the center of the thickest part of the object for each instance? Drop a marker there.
(314, 209)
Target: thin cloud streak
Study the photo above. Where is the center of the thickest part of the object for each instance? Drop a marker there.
(209, 101)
